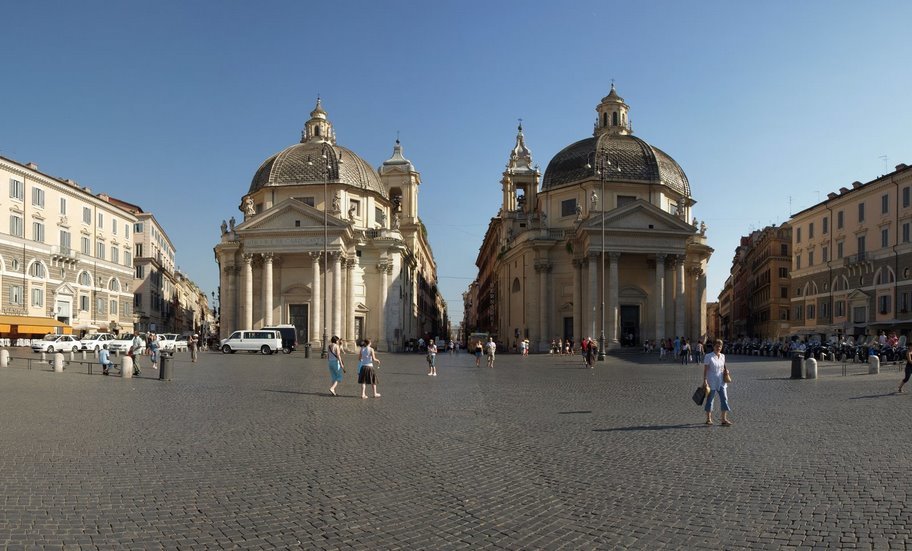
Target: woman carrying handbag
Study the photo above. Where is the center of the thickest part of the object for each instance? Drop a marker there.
(716, 375)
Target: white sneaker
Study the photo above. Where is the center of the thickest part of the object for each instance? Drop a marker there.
(435, 374)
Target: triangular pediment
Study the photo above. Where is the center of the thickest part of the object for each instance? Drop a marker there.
(289, 214)
(639, 216)
(855, 294)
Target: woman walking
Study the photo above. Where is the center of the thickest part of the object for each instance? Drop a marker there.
(714, 376)
(478, 350)
(367, 375)
(154, 349)
(336, 365)
(908, 370)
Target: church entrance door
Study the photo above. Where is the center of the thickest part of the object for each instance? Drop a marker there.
(630, 325)
(297, 314)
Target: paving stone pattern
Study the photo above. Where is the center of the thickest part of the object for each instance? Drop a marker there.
(251, 452)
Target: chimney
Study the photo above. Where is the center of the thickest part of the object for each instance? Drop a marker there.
(32, 166)
(832, 195)
(856, 184)
(843, 190)
(901, 166)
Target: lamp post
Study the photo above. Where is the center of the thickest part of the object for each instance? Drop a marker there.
(325, 169)
(602, 164)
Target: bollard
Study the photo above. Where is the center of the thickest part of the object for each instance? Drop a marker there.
(83, 355)
(797, 365)
(164, 373)
(4, 358)
(873, 365)
(811, 368)
(126, 367)
(58, 362)
(43, 357)
(831, 356)
(72, 356)
(306, 350)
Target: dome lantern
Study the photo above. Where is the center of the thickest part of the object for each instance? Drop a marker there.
(612, 115)
(318, 127)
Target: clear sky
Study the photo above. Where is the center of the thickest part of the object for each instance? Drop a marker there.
(173, 105)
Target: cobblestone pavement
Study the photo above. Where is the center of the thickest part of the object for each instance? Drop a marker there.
(252, 452)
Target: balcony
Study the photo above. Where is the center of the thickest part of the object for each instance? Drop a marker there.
(59, 252)
(855, 259)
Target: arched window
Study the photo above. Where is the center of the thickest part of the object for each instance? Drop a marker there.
(114, 285)
(614, 119)
(37, 270)
(516, 285)
(604, 119)
(84, 279)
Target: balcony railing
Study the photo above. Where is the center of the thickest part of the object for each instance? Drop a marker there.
(855, 259)
(59, 251)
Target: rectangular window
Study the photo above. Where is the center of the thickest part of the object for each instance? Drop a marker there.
(784, 250)
(885, 237)
(824, 311)
(16, 294)
(86, 215)
(138, 227)
(115, 255)
(99, 250)
(810, 258)
(113, 306)
(38, 232)
(137, 300)
(84, 245)
(903, 305)
(883, 304)
(861, 245)
(826, 254)
(905, 232)
(101, 220)
(799, 312)
(84, 303)
(17, 189)
(354, 207)
(839, 249)
(63, 206)
(861, 212)
(140, 272)
(826, 226)
(99, 306)
(783, 272)
(137, 249)
(783, 292)
(859, 314)
(839, 220)
(64, 242)
(114, 226)
(884, 204)
(568, 207)
(906, 197)
(16, 228)
(127, 260)
(38, 197)
(378, 215)
(811, 230)
(37, 297)
(797, 235)
(840, 308)
(797, 262)
(127, 231)
(810, 312)
(784, 314)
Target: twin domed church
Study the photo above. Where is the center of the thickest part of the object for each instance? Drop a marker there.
(603, 242)
(601, 245)
(332, 246)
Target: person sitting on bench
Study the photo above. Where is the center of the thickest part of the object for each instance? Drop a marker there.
(104, 358)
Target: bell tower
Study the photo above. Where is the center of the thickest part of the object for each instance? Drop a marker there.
(318, 127)
(520, 179)
(401, 180)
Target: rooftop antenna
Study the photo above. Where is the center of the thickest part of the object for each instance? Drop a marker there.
(817, 191)
(789, 213)
(885, 159)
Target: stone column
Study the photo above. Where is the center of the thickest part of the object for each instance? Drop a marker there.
(577, 299)
(248, 291)
(350, 306)
(659, 297)
(612, 313)
(267, 289)
(543, 269)
(679, 297)
(316, 318)
(337, 294)
(700, 306)
(385, 269)
(592, 308)
(227, 303)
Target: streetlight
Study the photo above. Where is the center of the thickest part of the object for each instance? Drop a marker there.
(602, 164)
(325, 169)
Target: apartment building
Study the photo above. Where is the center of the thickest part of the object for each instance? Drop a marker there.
(852, 260)
(66, 256)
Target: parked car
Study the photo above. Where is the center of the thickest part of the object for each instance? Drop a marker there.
(122, 345)
(289, 336)
(166, 341)
(94, 341)
(262, 340)
(56, 343)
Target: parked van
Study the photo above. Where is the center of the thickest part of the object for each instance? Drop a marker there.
(261, 340)
(289, 336)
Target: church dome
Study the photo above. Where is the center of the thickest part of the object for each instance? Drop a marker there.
(303, 163)
(632, 159)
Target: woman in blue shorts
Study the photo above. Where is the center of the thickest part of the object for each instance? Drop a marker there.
(336, 365)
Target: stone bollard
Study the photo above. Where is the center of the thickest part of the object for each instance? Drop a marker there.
(4, 358)
(811, 366)
(58, 362)
(72, 356)
(873, 365)
(831, 356)
(126, 367)
(43, 357)
(83, 355)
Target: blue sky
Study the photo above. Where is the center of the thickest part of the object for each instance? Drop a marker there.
(173, 105)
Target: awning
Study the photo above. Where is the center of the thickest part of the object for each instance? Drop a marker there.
(33, 325)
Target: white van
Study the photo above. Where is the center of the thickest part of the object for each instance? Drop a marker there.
(260, 340)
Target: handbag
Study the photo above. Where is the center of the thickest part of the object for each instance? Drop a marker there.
(699, 395)
(726, 375)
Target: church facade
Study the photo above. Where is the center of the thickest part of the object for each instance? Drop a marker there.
(603, 242)
(332, 246)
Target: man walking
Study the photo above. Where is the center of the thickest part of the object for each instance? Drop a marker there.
(491, 349)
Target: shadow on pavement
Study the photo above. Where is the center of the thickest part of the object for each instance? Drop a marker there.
(884, 395)
(654, 427)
